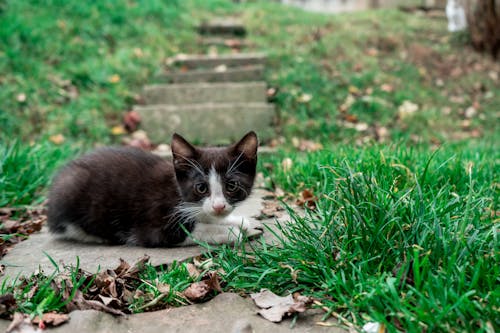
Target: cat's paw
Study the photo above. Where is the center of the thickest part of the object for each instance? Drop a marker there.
(254, 232)
(246, 223)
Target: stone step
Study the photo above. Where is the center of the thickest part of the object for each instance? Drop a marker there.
(236, 74)
(194, 93)
(210, 61)
(209, 123)
(233, 43)
(222, 26)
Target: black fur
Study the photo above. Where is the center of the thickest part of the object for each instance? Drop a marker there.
(126, 195)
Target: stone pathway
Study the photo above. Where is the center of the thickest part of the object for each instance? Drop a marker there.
(227, 312)
(33, 254)
(212, 99)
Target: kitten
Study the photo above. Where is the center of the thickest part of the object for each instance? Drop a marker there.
(129, 196)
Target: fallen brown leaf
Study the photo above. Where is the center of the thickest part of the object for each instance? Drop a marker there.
(307, 199)
(193, 271)
(213, 281)
(197, 291)
(7, 304)
(306, 145)
(271, 208)
(274, 308)
(131, 120)
(57, 139)
(20, 323)
(27, 222)
(51, 319)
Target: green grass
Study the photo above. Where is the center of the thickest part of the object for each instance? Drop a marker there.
(152, 288)
(161, 287)
(401, 236)
(81, 70)
(25, 171)
(39, 293)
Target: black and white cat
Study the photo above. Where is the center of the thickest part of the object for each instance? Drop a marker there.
(129, 196)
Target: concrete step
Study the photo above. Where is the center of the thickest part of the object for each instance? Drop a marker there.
(236, 74)
(222, 26)
(210, 61)
(233, 43)
(194, 93)
(209, 123)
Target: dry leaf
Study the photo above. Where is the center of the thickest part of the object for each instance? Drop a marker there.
(470, 112)
(131, 120)
(118, 130)
(21, 323)
(138, 52)
(7, 303)
(51, 319)
(306, 145)
(352, 118)
(286, 164)
(271, 209)
(406, 109)
(233, 43)
(274, 308)
(163, 288)
(354, 90)
(192, 270)
(221, 68)
(372, 52)
(139, 139)
(21, 98)
(271, 92)
(197, 291)
(349, 101)
(213, 281)
(10, 226)
(57, 139)
(373, 327)
(387, 87)
(307, 199)
(304, 98)
(122, 268)
(115, 78)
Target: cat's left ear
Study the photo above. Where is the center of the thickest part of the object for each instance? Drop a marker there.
(248, 145)
(182, 150)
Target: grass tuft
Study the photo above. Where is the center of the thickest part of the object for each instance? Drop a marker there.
(399, 236)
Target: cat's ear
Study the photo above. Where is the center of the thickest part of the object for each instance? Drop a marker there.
(248, 145)
(181, 149)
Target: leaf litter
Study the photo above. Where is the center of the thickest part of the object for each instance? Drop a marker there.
(274, 308)
(112, 291)
(16, 224)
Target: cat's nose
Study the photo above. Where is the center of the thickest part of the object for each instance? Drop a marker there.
(218, 207)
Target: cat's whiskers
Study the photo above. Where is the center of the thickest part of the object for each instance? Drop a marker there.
(193, 163)
(190, 210)
(234, 165)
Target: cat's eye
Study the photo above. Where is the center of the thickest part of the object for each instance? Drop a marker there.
(201, 188)
(232, 185)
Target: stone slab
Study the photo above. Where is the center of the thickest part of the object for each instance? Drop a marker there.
(232, 43)
(236, 74)
(32, 254)
(207, 123)
(222, 26)
(194, 93)
(210, 61)
(227, 312)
